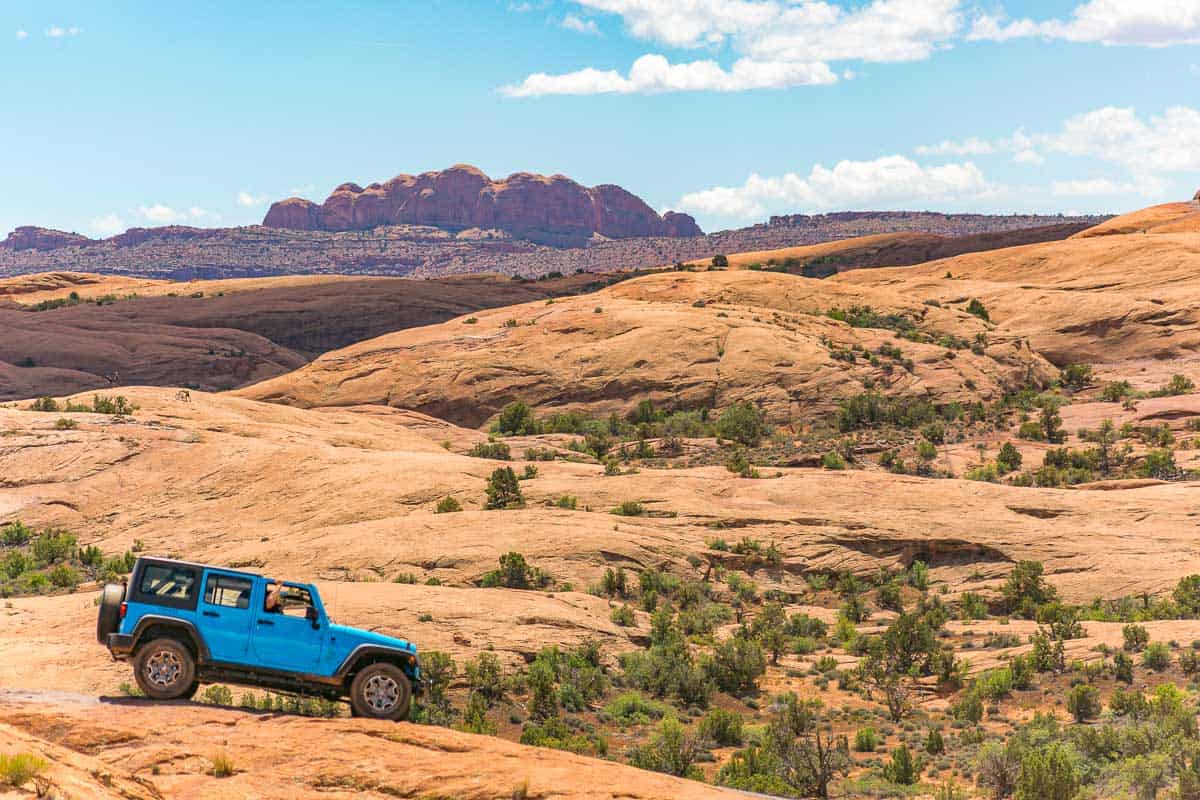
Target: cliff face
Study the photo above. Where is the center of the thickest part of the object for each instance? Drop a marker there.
(29, 237)
(550, 210)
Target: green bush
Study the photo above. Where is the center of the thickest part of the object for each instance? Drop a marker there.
(629, 508)
(866, 740)
(18, 769)
(516, 419)
(902, 769)
(497, 451)
(975, 307)
(623, 615)
(737, 664)
(724, 728)
(833, 460)
(742, 423)
(632, 708)
(504, 490)
(1083, 701)
(1047, 773)
(1157, 656)
(671, 750)
(515, 573)
(1025, 589)
(568, 502)
(448, 505)
(1159, 464)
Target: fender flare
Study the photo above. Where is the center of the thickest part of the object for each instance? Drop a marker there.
(405, 660)
(151, 620)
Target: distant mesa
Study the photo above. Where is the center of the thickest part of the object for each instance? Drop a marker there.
(30, 237)
(551, 210)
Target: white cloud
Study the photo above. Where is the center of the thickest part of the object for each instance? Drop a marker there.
(1090, 188)
(778, 43)
(107, 225)
(59, 31)
(890, 180)
(1147, 23)
(1028, 156)
(1160, 144)
(160, 214)
(653, 73)
(574, 22)
(22, 34)
(248, 200)
(967, 147)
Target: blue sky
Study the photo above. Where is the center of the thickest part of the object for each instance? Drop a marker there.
(145, 113)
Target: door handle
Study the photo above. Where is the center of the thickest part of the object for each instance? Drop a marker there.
(211, 614)
(265, 622)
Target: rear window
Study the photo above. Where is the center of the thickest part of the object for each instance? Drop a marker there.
(168, 585)
(227, 591)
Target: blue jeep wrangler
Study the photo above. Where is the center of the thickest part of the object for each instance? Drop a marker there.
(182, 623)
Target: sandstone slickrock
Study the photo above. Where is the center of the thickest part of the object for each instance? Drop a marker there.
(552, 210)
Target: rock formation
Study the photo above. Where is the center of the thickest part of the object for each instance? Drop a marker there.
(551, 210)
(30, 237)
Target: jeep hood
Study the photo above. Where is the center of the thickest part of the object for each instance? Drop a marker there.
(358, 636)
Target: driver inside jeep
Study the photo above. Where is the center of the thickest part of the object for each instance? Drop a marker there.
(272, 603)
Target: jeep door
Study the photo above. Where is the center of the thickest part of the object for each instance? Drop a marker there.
(226, 615)
(288, 639)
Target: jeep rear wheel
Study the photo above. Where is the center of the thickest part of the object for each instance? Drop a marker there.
(108, 619)
(381, 691)
(165, 669)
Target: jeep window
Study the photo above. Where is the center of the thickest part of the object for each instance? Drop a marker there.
(168, 585)
(228, 591)
(294, 601)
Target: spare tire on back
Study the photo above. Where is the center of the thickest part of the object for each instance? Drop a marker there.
(109, 618)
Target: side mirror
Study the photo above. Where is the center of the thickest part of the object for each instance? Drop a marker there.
(311, 615)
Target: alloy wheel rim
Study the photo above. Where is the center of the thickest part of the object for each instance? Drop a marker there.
(381, 693)
(163, 668)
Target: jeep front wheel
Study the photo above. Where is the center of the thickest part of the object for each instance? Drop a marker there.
(164, 669)
(381, 691)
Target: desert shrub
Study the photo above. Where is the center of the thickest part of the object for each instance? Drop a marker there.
(833, 460)
(48, 404)
(623, 615)
(975, 307)
(1187, 595)
(671, 750)
(995, 683)
(1179, 384)
(1159, 464)
(1047, 773)
(497, 451)
(805, 626)
(448, 505)
(1116, 391)
(629, 508)
(902, 769)
(63, 576)
(15, 534)
(866, 740)
(742, 423)
(998, 766)
(736, 665)
(18, 769)
(118, 405)
(724, 728)
(52, 546)
(1076, 376)
(568, 502)
(222, 765)
(217, 695)
(1083, 701)
(515, 572)
(720, 261)
(1025, 589)
(632, 708)
(972, 606)
(504, 490)
(516, 419)
(1009, 458)
(554, 733)
(871, 409)
(1157, 656)
(935, 744)
(1135, 637)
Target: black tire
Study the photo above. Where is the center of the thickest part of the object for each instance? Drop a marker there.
(165, 669)
(381, 691)
(108, 620)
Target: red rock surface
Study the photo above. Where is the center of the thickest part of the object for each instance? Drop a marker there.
(551, 210)
(30, 237)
